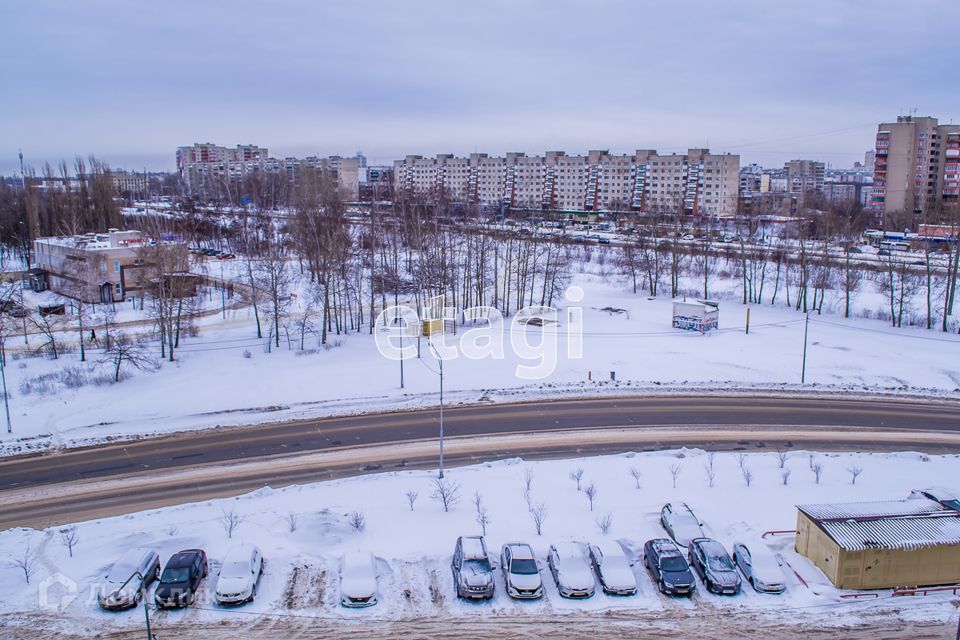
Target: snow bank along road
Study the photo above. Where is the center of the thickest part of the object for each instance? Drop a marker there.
(52, 489)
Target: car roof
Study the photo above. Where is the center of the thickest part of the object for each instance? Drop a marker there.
(473, 547)
(709, 545)
(569, 549)
(183, 558)
(239, 553)
(520, 550)
(610, 548)
(664, 546)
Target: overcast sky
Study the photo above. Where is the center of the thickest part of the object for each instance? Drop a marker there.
(770, 80)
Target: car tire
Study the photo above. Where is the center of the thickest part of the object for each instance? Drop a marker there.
(663, 586)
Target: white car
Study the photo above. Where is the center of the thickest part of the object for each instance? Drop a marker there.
(680, 522)
(613, 570)
(571, 570)
(358, 580)
(762, 569)
(121, 588)
(521, 571)
(240, 575)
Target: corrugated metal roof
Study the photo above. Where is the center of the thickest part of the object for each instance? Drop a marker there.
(872, 510)
(895, 533)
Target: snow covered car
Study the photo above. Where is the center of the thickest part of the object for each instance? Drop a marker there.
(680, 523)
(760, 567)
(181, 578)
(613, 570)
(669, 568)
(239, 575)
(945, 497)
(121, 588)
(521, 572)
(472, 572)
(709, 559)
(358, 580)
(570, 570)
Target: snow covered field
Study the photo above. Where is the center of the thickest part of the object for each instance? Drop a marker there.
(414, 546)
(226, 377)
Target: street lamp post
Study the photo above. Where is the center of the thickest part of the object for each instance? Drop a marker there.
(143, 597)
(3, 375)
(440, 362)
(803, 367)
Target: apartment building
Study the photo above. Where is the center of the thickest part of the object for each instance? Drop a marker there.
(917, 165)
(204, 167)
(697, 182)
(804, 176)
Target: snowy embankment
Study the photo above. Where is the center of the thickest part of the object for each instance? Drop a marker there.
(304, 530)
(226, 376)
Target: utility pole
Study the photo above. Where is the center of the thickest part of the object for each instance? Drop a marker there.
(3, 375)
(806, 331)
(440, 362)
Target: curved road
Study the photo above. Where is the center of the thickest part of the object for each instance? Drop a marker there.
(114, 479)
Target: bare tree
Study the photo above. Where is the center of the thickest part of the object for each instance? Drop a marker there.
(591, 492)
(747, 474)
(854, 472)
(27, 563)
(781, 458)
(605, 523)
(636, 474)
(538, 514)
(171, 530)
(577, 476)
(358, 521)
(48, 325)
(817, 469)
(292, 520)
(69, 537)
(124, 349)
(411, 498)
(742, 460)
(710, 468)
(785, 476)
(675, 470)
(446, 492)
(230, 520)
(528, 476)
(482, 517)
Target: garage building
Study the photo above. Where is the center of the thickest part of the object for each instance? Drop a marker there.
(878, 545)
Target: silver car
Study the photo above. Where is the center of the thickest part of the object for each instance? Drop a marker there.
(571, 570)
(358, 580)
(121, 588)
(679, 521)
(472, 570)
(521, 571)
(762, 569)
(240, 575)
(613, 570)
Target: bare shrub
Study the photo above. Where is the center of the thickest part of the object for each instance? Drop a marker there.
(27, 563)
(358, 521)
(411, 498)
(230, 520)
(781, 458)
(605, 523)
(675, 470)
(577, 476)
(69, 537)
(854, 472)
(292, 521)
(445, 492)
(171, 531)
(247, 354)
(528, 476)
(538, 514)
(591, 492)
(742, 460)
(710, 468)
(785, 476)
(747, 474)
(482, 517)
(635, 474)
(817, 469)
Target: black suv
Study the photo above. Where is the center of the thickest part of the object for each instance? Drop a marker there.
(181, 579)
(669, 568)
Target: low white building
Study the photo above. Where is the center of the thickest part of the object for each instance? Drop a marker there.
(696, 315)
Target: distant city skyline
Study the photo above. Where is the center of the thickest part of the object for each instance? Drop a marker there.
(766, 81)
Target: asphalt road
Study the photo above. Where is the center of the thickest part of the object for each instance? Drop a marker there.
(110, 480)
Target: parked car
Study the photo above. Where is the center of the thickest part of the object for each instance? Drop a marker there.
(688, 236)
(614, 571)
(358, 580)
(761, 568)
(604, 240)
(681, 523)
(521, 572)
(181, 579)
(226, 256)
(669, 568)
(571, 570)
(712, 562)
(945, 497)
(472, 570)
(121, 588)
(240, 575)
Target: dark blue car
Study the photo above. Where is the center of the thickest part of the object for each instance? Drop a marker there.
(669, 568)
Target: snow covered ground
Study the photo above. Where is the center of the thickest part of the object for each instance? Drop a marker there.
(225, 376)
(414, 546)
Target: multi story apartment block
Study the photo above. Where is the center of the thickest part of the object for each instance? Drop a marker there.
(697, 182)
(917, 165)
(205, 164)
(129, 182)
(804, 176)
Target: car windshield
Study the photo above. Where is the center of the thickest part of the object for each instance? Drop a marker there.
(175, 574)
(477, 566)
(121, 571)
(719, 561)
(524, 566)
(673, 563)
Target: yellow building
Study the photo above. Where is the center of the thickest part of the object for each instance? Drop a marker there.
(878, 545)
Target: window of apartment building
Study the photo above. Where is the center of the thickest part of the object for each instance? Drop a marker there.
(116, 266)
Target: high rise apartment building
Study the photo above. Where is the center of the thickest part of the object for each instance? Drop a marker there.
(917, 165)
(697, 182)
(804, 176)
